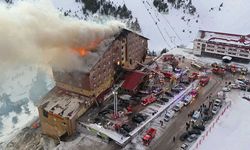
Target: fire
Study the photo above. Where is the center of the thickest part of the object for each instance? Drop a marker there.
(83, 51)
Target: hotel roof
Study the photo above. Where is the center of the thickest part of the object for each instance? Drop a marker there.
(236, 39)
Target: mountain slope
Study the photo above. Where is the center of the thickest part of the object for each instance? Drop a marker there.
(232, 17)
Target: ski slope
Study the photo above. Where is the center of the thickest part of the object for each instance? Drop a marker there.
(232, 130)
(230, 19)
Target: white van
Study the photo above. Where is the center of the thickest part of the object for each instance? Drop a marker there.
(187, 99)
(178, 106)
(169, 114)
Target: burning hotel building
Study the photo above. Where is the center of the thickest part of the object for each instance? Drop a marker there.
(75, 92)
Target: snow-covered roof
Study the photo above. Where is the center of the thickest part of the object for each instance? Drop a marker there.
(235, 39)
(63, 103)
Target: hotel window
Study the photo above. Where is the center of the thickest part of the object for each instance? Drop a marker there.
(203, 47)
(243, 55)
(45, 113)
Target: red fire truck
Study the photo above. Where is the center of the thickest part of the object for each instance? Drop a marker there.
(150, 134)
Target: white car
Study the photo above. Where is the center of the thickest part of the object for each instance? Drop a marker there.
(169, 115)
(226, 89)
(234, 86)
(239, 82)
(184, 146)
(215, 110)
(178, 106)
(187, 99)
(217, 102)
(196, 116)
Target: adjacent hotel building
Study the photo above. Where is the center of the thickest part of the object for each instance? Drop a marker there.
(217, 44)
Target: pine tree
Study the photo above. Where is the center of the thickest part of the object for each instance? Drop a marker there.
(164, 50)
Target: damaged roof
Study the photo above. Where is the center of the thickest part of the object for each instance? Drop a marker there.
(63, 103)
(91, 59)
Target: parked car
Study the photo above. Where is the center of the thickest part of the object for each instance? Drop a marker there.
(234, 86)
(239, 82)
(226, 89)
(165, 99)
(196, 115)
(215, 110)
(175, 90)
(169, 115)
(194, 131)
(199, 127)
(184, 136)
(124, 132)
(192, 138)
(178, 106)
(206, 118)
(169, 94)
(138, 118)
(247, 98)
(177, 70)
(217, 103)
(127, 128)
(184, 146)
(187, 99)
(245, 88)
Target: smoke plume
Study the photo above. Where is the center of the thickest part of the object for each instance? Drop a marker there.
(35, 32)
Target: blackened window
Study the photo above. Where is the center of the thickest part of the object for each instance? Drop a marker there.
(45, 113)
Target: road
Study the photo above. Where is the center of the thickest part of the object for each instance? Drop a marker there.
(177, 127)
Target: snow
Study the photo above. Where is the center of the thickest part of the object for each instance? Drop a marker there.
(232, 19)
(232, 128)
(17, 83)
(208, 20)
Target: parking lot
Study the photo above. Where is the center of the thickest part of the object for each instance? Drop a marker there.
(174, 107)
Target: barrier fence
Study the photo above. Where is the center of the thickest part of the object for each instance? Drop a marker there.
(210, 127)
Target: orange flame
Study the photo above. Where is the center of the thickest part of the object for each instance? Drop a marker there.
(83, 51)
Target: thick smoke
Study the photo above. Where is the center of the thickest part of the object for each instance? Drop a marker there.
(35, 32)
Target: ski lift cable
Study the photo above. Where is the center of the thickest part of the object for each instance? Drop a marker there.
(155, 13)
(156, 25)
(166, 20)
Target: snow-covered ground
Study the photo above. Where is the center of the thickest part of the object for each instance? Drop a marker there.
(17, 84)
(174, 29)
(229, 19)
(232, 18)
(232, 130)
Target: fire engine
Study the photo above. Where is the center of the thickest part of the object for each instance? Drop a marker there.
(168, 74)
(193, 76)
(148, 100)
(150, 134)
(204, 80)
(218, 70)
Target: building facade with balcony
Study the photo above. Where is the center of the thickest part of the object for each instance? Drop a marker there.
(218, 44)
